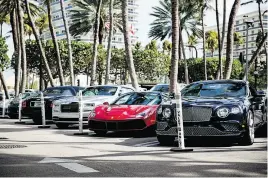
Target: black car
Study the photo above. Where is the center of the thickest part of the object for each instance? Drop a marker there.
(32, 107)
(221, 108)
(13, 107)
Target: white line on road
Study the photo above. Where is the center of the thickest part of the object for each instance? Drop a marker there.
(77, 167)
(146, 144)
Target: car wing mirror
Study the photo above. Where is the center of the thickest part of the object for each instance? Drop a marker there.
(105, 103)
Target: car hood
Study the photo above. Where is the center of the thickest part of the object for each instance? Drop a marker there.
(118, 112)
(212, 101)
(87, 99)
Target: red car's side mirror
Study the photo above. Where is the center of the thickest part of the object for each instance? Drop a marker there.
(105, 103)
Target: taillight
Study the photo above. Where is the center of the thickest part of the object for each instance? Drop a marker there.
(51, 105)
(23, 104)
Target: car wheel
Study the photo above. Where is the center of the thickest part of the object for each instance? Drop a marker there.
(248, 138)
(62, 125)
(165, 140)
(37, 121)
(13, 116)
(100, 132)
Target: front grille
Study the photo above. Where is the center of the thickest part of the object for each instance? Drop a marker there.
(230, 127)
(117, 125)
(70, 107)
(161, 125)
(196, 114)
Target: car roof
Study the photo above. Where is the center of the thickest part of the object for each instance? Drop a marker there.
(220, 81)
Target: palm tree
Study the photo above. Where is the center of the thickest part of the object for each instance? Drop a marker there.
(55, 42)
(37, 38)
(3, 19)
(230, 40)
(70, 55)
(192, 41)
(219, 39)
(211, 41)
(21, 33)
(109, 50)
(83, 18)
(95, 45)
(175, 46)
(129, 56)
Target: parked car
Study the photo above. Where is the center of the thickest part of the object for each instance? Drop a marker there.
(213, 109)
(7, 101)
(132, 111)
(31, 107)
(66, 110)
(165, 87)
(13, 107)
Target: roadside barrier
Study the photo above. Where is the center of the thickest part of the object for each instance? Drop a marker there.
(19, 110)
(4, 105)
(80, 97)
(43, 112)
(177, 104)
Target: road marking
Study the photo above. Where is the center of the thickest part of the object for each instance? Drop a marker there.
(146, 144)
(78, 168)
(69, 164)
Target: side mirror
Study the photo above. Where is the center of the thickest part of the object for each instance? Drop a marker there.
(105, 103)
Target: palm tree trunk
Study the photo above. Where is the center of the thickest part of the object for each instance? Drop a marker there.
(95, 45)
(186, 73)
(37, 38)
(2, 79)
(13, 22)
(230, 40)
(70, 53)
(55, 43)
(129, 56)
(175, 46)
(1, 29)
(109, 50)
(22, 44)
(219, 42)
(204, 44)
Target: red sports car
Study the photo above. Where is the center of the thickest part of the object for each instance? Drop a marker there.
(131, 111)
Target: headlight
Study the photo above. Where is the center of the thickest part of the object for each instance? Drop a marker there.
(235, 110)
(223, 112)
(92, 114)
(143, 114)
(167, 113)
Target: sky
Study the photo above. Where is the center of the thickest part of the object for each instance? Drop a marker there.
(144, 19)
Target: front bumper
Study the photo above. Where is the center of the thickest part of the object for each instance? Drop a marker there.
(121, 125)
(70, 118)
(209, 129)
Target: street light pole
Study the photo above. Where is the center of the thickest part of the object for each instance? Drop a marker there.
(249, 24)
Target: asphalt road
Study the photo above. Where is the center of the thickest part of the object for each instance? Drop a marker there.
(26, 150)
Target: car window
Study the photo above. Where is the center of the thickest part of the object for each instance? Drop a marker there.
(139, 99)
(57, 91)
(100, 90)
(126, 90)
(161, 88)
(215, 90)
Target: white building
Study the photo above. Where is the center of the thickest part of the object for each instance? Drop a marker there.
(118, 38)
(241, 27)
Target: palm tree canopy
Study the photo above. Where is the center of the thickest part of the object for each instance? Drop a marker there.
(189, 19)
(83, 16)
(211, 40)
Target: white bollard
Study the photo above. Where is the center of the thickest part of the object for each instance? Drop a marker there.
(80, 112)
(43, 112)
(20, 103)
(4, 105)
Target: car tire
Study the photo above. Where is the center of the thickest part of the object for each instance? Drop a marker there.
(62, 125)
(165, 140)
(100, 132)
(13, 116)
(248, 137)
(37, 121)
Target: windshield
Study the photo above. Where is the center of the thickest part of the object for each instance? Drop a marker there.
(139, 99)
(57, 91)
(160, 88)
(101, 90)
(215, 90)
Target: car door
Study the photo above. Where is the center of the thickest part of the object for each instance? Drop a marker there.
(256, 103)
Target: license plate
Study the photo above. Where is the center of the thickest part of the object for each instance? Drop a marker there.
(36, 104)
(66, 107)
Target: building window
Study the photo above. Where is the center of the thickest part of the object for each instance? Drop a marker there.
(57, 32)
(244, 52)
(119, 39)
(244, 33)
(237, 29)
(252, 32)
(265, 17)
(244, 46)
(252, 38)
(264, 24)
(244, 27)
(252, 44)
(63, 31)
(237, 22)
(113, 38)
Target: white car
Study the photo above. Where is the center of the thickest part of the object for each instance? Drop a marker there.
(65, 111)
(165, 87)
(4, 105)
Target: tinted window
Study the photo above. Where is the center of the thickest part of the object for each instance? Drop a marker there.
(101, 90)
(160, 88)
(215, 90)
(139, 99)
(57, 91)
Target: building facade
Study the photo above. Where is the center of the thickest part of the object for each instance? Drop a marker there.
(118, 38)
(241, 28)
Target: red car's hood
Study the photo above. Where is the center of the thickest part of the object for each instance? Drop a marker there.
(122, 112)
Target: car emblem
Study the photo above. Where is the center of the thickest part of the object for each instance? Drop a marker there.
(109, 109)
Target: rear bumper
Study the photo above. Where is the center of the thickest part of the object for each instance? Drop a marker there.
(124, 125)
(69, 120)
(230, 129)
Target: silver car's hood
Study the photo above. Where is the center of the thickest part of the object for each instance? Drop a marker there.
(91, 99)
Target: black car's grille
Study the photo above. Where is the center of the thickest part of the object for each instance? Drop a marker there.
(230, 127)
(204, 131)
(117, 125)
(161, 125)
(196, 114)
(74, 107)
